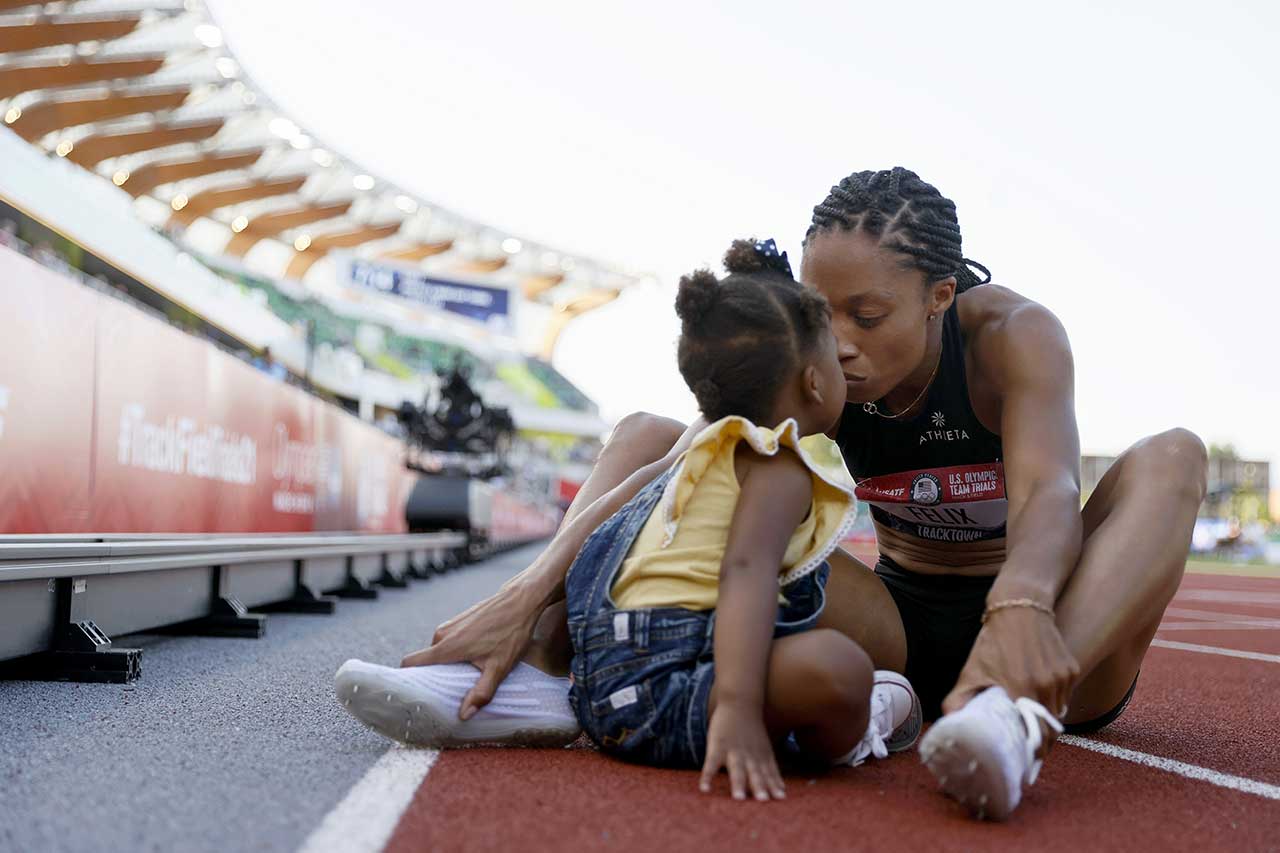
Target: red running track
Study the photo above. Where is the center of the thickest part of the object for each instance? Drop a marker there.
(1205, 709)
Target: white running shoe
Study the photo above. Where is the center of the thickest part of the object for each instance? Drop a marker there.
(895, 720)
(419, 705)
(984, 753)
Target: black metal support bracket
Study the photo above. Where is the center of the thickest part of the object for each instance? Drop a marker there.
(421, 571)
(228, 617)
(389, 578)
(355, 586)
(81, 651)
(304, 599)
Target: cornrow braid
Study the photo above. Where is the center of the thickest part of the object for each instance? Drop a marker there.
(907, 215)
(743, 335)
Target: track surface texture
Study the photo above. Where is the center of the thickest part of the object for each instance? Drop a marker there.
(223, 744)
(239, 745)
(1211, 715)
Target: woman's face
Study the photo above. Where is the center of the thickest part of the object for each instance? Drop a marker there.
(879, 309)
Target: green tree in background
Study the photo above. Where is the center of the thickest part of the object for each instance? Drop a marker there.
(1245, 501)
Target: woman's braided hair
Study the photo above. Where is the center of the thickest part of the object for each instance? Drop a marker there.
(742, 336)
(908, 215)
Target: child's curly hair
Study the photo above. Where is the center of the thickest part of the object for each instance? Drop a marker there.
(743, 335)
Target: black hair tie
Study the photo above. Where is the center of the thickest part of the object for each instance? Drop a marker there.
(773, 259)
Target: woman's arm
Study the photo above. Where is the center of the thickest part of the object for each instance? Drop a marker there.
(775, 495)
(494, 634)
(1021, 648)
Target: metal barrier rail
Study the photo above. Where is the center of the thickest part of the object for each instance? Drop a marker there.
(35, 558)
(62, 595)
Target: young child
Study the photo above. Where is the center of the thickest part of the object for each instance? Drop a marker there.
(692, 610)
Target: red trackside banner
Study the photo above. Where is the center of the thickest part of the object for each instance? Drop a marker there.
(113, 422)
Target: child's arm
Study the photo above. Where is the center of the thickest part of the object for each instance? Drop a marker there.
(775, 495)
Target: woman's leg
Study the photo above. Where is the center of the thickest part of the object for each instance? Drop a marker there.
(636, 441)
(860, 607)
(1137, 533)
(1137, 529)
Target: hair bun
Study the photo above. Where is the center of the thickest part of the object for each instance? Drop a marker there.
(757, 256)
(743, 257)
(699, 291)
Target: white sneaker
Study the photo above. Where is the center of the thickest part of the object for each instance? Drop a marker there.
(419, 705)
(984, 753)
(895, 720)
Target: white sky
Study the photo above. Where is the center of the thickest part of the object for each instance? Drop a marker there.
(1118, 166)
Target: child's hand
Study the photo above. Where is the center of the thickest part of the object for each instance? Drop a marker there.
(737, 741)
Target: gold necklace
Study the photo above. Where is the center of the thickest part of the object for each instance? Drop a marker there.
(872, 409)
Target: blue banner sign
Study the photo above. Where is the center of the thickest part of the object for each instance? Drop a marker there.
(488, 305)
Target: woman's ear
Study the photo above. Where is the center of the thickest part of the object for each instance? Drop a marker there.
(941, 295)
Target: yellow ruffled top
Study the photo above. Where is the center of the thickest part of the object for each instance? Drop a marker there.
(675, 560)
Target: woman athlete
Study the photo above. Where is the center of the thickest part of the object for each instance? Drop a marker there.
(995, 593)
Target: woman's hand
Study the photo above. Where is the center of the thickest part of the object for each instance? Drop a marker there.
(738, 741)
(491, 635)
(1021, 650)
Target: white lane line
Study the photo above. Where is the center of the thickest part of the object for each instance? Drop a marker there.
(1227, 596)
(1190, 771)
(366, 817)
(1215, 626)
(1214, 650)
(1220, 616)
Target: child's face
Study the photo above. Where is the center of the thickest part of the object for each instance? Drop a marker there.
(831, 377)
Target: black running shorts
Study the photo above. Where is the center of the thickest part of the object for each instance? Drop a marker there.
(942, 615)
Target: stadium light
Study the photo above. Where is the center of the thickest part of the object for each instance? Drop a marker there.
(239, 223)
(64, 148)
(302, 242)
(120, 177)
(179, 201)
(511, 245)
(227, 67)
(283, 128)
(362, 182)
(208, 35)
(301, 142)
(12, 115)
(406, 204)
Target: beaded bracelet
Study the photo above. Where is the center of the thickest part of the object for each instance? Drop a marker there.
(1015, 602)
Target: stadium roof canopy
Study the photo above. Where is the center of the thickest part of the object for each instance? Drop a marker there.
(147, 95)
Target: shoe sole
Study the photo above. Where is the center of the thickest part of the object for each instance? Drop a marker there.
(420, 721)
(963, 757)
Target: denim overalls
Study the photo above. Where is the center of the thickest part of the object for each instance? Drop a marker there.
(642, 678)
